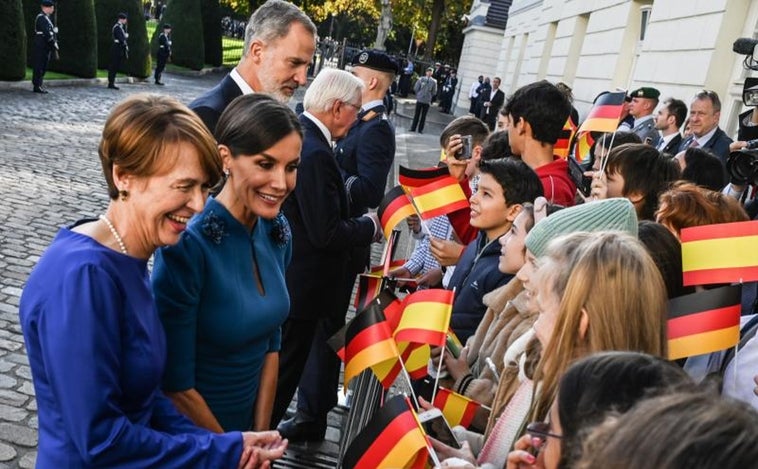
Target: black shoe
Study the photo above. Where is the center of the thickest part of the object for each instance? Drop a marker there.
(298, 429)
(413, 130)
(40, 90)
(160, 84)
(113, 87)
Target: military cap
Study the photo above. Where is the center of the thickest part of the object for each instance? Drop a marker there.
(122, 16)
(375, 59)
(47, 3)
(166, 26)
(646, 92)
(429, 69)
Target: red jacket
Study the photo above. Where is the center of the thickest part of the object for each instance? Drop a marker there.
(558, 186)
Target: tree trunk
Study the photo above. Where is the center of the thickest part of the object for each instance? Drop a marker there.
(438, 7)
(385, 25)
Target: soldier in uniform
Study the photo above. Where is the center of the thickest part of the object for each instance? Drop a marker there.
(119, 49)
(44, 44)
(164, 52)
(365, 158)
(644, 102)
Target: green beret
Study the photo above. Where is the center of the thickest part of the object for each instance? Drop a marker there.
(645, 92)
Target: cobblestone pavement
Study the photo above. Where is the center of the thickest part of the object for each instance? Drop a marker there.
(50, 176)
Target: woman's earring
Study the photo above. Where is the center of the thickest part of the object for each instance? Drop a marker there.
(124, 195)
(226, 173)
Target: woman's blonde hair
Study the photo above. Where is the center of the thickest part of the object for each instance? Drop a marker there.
(139, 130)
(609, 277)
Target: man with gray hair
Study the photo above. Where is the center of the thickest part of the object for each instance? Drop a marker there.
(279, 44)
(323, 234)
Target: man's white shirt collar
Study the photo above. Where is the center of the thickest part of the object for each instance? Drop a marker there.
(705, 138)
(320, 125)
(244, 87)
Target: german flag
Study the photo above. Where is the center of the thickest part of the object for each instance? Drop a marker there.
(393, 438)
(426, 317)
(604, 115)
(410, 178)
(415, 357)
(369, 286)
(457, 409)
(390, 305)
(563, 146)
(704, 322)
(394, 207)
(439, 198)
(721, 253)
(368, 342)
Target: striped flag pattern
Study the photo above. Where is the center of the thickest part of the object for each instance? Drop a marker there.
(394, 207)
(426, 317)
(704, 322)
(563, 146)
(410, 178)
(604, 115)
(720, 253)
(439, 198)
(457, 409)
(368, 342)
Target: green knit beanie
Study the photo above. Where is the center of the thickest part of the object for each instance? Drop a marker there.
(616, 214)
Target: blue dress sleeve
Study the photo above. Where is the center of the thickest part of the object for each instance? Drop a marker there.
(82, 352)
(177, 282)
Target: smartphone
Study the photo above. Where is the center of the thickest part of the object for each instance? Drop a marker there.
(465, 152)
(436, 426)
(583, 183)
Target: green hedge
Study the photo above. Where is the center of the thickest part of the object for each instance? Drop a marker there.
(211, 15)
(12, 40)
(187, 46)
(75, 20)
(139, 63)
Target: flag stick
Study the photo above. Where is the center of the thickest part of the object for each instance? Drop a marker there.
(408, 378)
(439, 366)
(424, 226)
(388, 252)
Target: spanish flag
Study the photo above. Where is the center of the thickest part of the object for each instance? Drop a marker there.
(563, 146)
(410, 178)
(415, 358)
(457, 409)
(439, 198)
(704, 322)
(721, 253)
(368, 342)
(584, 142)
(604, 115)
(394, 207)
(393, 438)
(426, 317)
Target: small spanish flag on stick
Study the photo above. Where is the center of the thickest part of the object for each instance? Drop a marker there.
(393, 438)
(394, 207)
(439, 198)
(426, 317)
(720, 253)
(704, 322)
(457, 409)
(410, 178)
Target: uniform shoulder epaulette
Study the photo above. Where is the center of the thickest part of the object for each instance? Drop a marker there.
(369, 115)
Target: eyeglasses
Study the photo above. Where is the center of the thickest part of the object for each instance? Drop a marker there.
(541, 430)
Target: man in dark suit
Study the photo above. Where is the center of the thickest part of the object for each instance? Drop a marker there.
(323, 234)
(705, 111)
(668, 121)
(164, 52)
(491, 104)
(44, 44)
(119, 49)
(279, 44)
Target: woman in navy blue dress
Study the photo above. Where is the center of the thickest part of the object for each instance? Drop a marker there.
(221, 291)
(95, 344)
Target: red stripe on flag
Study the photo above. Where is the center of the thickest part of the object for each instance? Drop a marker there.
(423, 336)
(445, 209)
(728, 275)
(397, 204)
(705, 321)
(437, 295)
(605, 111)
(720, 230)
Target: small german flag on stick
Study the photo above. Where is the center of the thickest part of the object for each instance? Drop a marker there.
(394, 207)
(720, 253)
(368, 342)
(604, 115)
(411, 178)
(704, 322)
(563, 146)
(439, 198)
(393, 438)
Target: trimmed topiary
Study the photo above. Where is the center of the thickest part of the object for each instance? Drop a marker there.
(12, 40)
(211, 14)
(187, 33)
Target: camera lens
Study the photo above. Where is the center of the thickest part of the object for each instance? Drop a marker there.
(743, 166)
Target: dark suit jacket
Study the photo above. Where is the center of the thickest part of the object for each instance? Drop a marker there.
(322, 231)
(495, 104)
(718, 145)
(672, 148)
(365, 158)
(212, 103)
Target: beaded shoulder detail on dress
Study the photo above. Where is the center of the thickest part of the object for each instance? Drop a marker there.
(214, 227)
(280, 230)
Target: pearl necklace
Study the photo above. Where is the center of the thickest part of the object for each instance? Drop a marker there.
(115, 234)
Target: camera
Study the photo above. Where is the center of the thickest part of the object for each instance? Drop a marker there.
(742, 165)
(466, 150)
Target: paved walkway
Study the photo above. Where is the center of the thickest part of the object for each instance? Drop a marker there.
(51, 177)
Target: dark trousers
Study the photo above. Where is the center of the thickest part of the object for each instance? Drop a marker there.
(405, 85)
(161, 65)
(40, 59)
(117, 55)
(419, 116)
